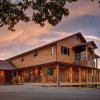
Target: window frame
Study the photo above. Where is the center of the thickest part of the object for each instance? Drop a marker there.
(65, 50)
(52, 50)
(35, 53)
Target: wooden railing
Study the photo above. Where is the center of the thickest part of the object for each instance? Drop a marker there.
(88, 63)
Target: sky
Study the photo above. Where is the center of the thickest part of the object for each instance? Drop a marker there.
(84, 17)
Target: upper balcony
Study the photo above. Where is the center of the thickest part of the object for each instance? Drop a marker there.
(85, 56)
(87, 63)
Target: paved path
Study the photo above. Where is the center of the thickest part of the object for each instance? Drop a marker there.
(29, 92)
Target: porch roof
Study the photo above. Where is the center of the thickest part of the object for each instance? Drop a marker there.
(6, 65)
(57, 62)
(81, 47)
(87, 44)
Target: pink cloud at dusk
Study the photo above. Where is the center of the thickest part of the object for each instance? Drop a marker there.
(93, 37)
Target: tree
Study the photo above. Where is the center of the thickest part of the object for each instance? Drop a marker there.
(11, 11)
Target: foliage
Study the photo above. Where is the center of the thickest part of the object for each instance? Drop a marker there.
(49, 71)
(16, 81)
(13, 11)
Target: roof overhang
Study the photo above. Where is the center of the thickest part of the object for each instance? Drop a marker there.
(81, 47)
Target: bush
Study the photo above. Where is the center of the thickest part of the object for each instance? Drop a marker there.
(16, 81)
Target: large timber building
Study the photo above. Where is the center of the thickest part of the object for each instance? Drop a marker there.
(69, 61)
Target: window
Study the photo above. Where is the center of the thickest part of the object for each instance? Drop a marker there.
(22, 59)
(77, 56)
(35, 53)
(52, 50)
(65, 50)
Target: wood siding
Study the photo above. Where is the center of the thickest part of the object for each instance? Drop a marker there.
(70, 42)
(44, 55)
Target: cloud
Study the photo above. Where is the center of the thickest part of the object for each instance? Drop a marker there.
(82, 8)
(29, 35)
(93, 37)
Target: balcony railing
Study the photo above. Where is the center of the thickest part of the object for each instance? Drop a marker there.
(88, 63)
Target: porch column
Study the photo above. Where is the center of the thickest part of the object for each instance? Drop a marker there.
(87, 75)
(31, 75)
(71, 77)
(58, 75)
(96, 63)
(12, 75)
(22, 76)
(3, 77)
(93, 56)
(86, 53)
(99, 76)
(79, 75)
(17, 74)
(93, 75)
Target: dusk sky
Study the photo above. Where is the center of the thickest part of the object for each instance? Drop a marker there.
(84, 17)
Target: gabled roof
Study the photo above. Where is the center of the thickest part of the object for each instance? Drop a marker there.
(47, 45)
(6, 65)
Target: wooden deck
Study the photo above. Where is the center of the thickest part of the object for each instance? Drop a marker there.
(62, 84)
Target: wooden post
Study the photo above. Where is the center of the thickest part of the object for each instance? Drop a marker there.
(93, 56)
(79, 75)
(86, 54)
(31, 75)
(3, 77)
(58, 75)
(87, 76)
(96, 63)
(94, 75)
(71, 75)
(22, 76)
(12, 76)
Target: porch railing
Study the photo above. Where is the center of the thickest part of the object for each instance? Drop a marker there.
(88, 63)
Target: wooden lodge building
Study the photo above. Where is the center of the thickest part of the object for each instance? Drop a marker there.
(68, 61)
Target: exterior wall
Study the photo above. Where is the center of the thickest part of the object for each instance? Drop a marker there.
(37, 75)
(44, 56)
(67, 74)
(70, 42)
(1, 76)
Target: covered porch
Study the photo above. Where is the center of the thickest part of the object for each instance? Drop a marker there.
(59, 73)
(6, 72)
(85, 55)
